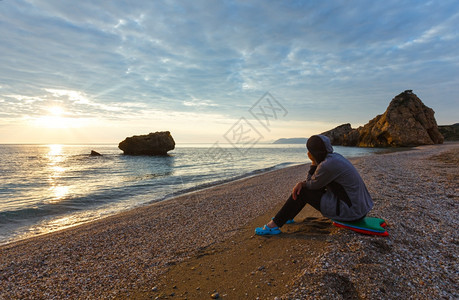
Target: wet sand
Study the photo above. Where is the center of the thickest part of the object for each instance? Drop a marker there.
(201, 243)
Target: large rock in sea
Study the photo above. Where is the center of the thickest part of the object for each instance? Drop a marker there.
(157, 143)
(406, 122)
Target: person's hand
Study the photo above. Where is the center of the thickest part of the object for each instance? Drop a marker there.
(314, 163)
(296, 190)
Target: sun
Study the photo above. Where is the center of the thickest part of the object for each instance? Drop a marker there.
(58, 118)
(56, 110)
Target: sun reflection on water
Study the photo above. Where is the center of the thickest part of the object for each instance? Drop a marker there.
(54, 150)
(58, 193)
(55, 171)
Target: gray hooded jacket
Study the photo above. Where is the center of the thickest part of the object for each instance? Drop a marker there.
(346, 197)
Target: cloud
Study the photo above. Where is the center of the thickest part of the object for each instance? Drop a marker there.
(115, 60)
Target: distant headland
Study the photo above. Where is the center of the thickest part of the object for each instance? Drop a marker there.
(450, 132)
(291, 141)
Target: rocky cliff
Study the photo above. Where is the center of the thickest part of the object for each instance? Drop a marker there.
(450, 132)
(342, 135)
(157, 143)
(406, 122)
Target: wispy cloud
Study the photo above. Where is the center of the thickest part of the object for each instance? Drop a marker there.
(116, 60)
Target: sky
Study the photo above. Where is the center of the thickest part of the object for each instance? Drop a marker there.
(99, 71)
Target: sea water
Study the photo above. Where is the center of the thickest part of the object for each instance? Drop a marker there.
(44, 188)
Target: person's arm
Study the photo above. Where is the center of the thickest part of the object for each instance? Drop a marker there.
(312, 170)
(322, 175)
(297, 188)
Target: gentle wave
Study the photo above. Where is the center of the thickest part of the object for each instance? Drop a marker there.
(223, 181)
(50, 187)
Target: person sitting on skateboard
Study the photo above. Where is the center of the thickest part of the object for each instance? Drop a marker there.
(333, 187)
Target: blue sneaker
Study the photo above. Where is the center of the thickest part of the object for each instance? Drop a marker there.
(265, 230)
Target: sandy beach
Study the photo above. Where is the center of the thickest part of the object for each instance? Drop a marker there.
(199, 244)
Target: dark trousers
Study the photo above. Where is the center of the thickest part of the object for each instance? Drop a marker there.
(293, 207)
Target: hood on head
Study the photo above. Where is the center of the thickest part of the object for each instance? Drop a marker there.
(327, 143)
(319, 146)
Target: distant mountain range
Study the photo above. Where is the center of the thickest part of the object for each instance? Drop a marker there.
(291, 141)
